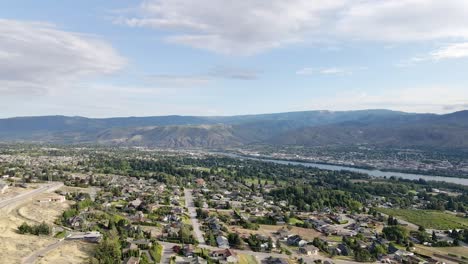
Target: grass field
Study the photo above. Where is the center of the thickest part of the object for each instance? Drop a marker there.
(247, 259)
(429, 251)
(428, 219)
(293, 221)
(334, 238)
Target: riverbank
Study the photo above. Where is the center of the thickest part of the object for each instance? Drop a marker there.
(370, 172)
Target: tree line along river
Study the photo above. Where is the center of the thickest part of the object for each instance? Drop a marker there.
(373, 173)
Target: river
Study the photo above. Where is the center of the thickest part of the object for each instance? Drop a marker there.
(373, 173)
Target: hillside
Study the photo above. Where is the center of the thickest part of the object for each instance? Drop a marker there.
(311, 128)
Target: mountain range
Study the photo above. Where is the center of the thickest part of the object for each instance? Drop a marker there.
(308, 128)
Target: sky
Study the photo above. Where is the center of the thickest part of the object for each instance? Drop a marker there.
(211, 57)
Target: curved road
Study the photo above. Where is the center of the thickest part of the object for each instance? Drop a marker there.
(9, 204)
(31, 259)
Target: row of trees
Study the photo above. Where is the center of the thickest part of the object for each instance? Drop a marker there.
(40, 229)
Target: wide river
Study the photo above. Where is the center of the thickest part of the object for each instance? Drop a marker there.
(373, 173)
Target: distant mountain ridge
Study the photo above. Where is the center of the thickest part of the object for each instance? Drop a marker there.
(308, 128)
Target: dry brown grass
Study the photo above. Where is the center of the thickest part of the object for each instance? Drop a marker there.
(42, 212)
(14, 246)
(14, 191)
(429, 251)
(71, 252)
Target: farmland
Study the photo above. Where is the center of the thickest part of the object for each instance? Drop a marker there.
(428, 219)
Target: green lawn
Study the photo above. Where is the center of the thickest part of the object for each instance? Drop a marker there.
(61, 234)
(334, 238)
(428, 219)
(293, 221)
(247, 259)
(156, 252)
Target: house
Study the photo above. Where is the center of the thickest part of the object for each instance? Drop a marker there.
(272, 260)
(135, 203)
(130, 247)
(400, 254)
(132, 260)
(302, 243)
(222, 242)
(76, 221)
(309, 250)
(143, 243)
(293, 240)
(185, 260)
(58, 199)
(188, 250)
(226, 255)
(343, 250)
(200, 182)
(93, 237)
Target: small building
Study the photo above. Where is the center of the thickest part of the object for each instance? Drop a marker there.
(57, 199)
(222, 242)
(293, 240)
(200, 182)
(226, 255)
(132, 260)
(272, 260)
(309, 250)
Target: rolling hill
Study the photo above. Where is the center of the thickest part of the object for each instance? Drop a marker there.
(309, 128)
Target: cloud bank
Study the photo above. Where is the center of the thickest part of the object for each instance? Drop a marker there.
(38, 58)
(249, 27)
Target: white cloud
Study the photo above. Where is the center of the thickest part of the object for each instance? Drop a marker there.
(248, 27)
(327, 71)
(37, 58)
(404, 20)
(233, 27)
(452, 51)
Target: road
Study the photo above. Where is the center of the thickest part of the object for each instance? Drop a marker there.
(193, 216)
(10, 203)
(167, 252)
(31, 259)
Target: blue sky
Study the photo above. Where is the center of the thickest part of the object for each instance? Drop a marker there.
(207, 57)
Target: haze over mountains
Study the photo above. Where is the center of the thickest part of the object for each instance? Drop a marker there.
(310, 128)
